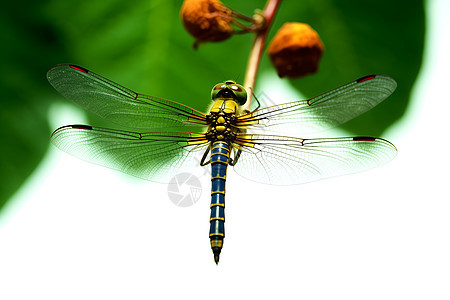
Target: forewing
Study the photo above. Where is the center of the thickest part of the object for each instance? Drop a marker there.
(155, 156)
(282, 160)
(322, 112)
(118, 104)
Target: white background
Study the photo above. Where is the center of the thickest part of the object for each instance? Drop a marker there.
(80, 231)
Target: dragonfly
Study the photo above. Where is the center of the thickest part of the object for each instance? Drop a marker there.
(164, 138)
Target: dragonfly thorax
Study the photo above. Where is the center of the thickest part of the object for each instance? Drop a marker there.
(222, 119)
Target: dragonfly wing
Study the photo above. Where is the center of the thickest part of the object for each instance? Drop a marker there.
(155, 156)
(325, 111)
(118, 104)
(282, 160)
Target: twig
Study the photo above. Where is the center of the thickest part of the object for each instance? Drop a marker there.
(257, 49)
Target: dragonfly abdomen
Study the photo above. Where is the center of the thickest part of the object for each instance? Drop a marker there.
(220, 156)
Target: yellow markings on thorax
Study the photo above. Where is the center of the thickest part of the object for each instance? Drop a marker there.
(221, 124)
(227, 106)
(221, 120)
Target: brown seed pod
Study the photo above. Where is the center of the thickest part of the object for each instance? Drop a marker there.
(207, 20)
(295, 50)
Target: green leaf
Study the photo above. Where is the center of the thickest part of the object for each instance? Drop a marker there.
(28, 42)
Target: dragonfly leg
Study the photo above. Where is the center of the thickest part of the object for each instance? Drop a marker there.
(257, 101)
(234, 160)
(205, 162)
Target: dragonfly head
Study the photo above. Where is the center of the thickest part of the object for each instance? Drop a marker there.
(230, 89)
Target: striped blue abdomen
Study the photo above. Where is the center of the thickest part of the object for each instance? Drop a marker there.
(220, 156)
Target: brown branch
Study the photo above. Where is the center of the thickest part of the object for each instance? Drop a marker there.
(257, 49)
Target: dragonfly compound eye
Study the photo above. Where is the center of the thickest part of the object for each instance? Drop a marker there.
(240, 92)
(216, 89)
(230, 89)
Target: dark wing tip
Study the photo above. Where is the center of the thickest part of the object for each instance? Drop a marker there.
(65, 66)
(373, 139)
(78, 68)
(80, 126)
(76, 126)
(386, 81)
(364, 138)
(365, 78)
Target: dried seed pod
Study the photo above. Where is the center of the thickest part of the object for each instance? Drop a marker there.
(295, 50)
(207, 20)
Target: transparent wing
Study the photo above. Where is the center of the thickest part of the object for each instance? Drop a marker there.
(282, 160)
(118, 104)
(155, 156)
(324, 111)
